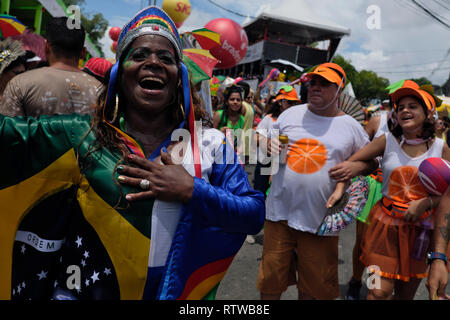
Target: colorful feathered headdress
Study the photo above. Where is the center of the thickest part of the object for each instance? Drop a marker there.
(154, 21)
(10, 51)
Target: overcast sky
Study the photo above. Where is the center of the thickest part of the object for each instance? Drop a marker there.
(403, 43)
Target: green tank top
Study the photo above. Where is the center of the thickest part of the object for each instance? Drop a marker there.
(239, 124)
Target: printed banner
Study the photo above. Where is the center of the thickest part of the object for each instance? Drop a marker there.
(42, 245)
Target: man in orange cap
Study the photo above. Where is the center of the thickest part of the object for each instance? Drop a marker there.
(320, 136)
(325, 86)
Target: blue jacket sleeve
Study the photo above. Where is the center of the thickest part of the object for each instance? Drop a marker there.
(228, 201)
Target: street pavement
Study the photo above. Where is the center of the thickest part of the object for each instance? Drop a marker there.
(240, 281)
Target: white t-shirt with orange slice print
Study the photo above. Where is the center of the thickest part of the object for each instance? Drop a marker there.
(302, 186)
(400, 171)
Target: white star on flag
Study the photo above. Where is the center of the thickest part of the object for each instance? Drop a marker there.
(23, 248)
(86, 283)
(83, 263)
(55, 284)
(95, 277)
(42, 275)
(86, 254)
(19, 288)
(78, 242)
(107, 271)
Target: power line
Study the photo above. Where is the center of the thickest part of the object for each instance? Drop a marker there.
(407, 65)
(431, 14)
(230, 11)
(411, 7)
(438, 12)
(442, 18)
(446, 68)
(442, 5)
(413, 65)
(442, 62)
(417, 9)
(413, 51)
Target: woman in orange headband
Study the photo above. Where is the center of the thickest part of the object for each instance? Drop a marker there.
(392, 248)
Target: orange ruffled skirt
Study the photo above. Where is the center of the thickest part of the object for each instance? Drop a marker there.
(388, 244)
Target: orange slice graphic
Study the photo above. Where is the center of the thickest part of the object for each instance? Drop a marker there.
(307, 156)
(404, 185)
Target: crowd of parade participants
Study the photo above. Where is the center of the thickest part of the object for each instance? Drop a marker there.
(96, 177)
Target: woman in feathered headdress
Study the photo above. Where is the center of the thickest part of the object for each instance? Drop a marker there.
(142, 215)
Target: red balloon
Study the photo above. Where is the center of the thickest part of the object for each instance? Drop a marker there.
(178, 24)
(114, 33)
(234, 42)
(114, 46)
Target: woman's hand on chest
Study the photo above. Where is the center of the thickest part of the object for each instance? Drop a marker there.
(167, 181)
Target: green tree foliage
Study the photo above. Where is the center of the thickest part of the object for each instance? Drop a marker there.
(446, 87)
(366, 84)
(349, 69)
(421, 81)
(94, 24)
(370, 86)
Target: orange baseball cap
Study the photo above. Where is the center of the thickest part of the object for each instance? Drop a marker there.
(331, 72)
(410, 88)
(287, 93)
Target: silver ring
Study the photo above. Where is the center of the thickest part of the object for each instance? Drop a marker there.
(144, 184)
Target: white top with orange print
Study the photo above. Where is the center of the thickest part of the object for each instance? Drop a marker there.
(400, 172)
(265, 125)
(302, 186)
(383, 126)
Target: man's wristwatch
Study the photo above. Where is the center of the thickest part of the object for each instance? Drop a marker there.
(436, 255)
